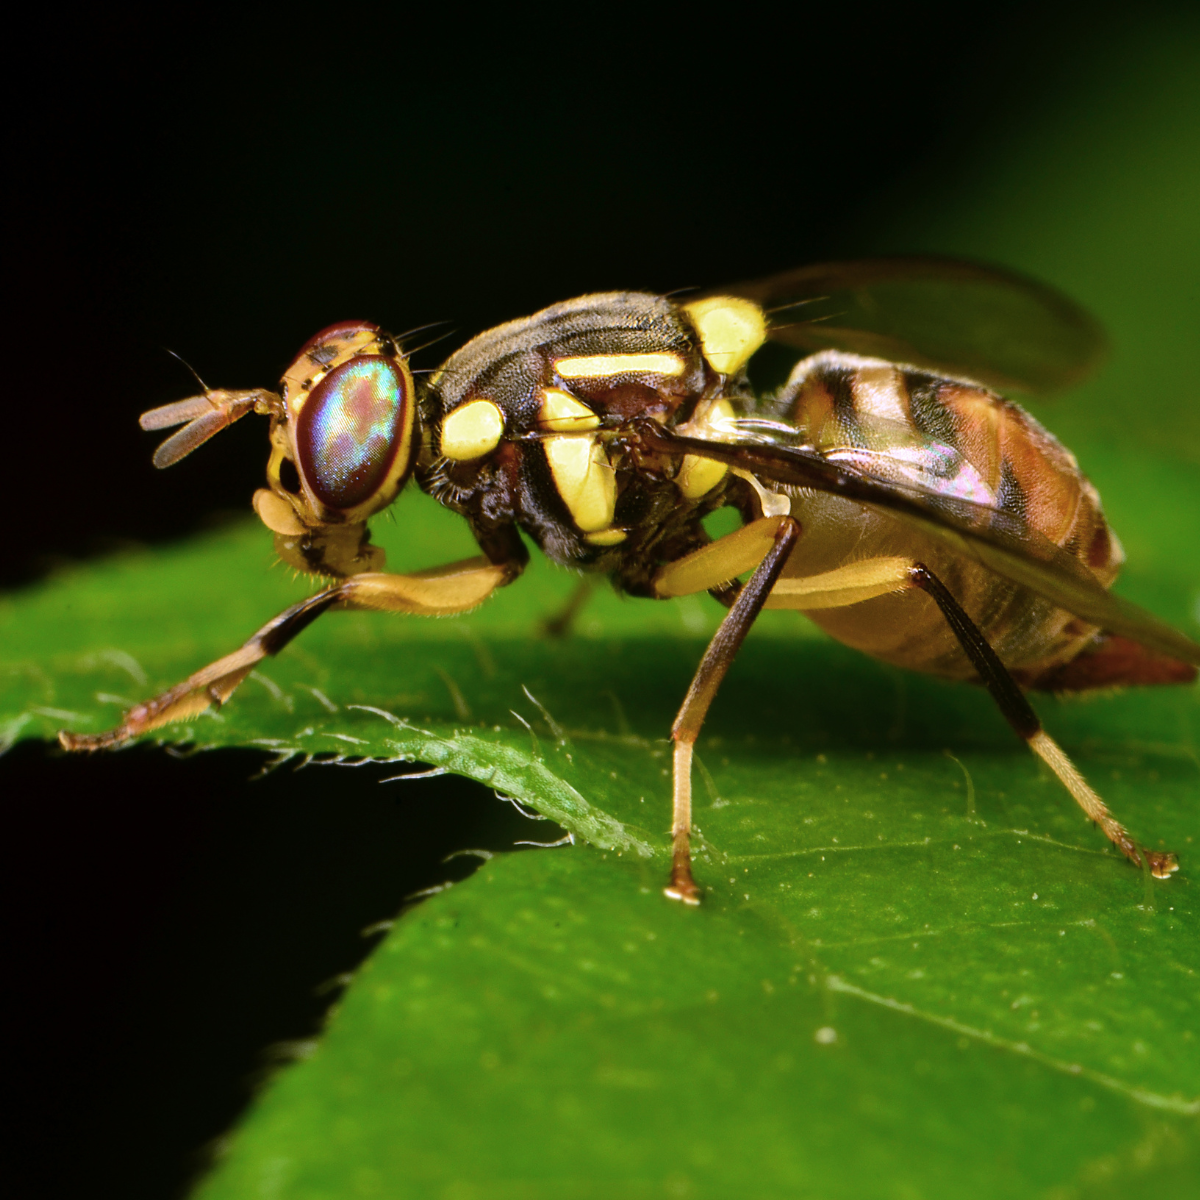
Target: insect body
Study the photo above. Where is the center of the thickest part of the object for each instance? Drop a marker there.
(959, 441)
(915, 515)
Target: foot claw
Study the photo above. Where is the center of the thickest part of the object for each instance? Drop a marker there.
(90, 741)
(1162, 864)
(683, 890)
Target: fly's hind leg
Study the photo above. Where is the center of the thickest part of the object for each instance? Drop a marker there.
(455, 588)
(1020, 715)
(879, 576)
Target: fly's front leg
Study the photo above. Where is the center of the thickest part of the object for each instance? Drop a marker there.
(212, 685)
(707, 568)
(443, 591)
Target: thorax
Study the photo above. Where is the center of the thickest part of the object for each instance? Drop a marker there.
(523, 426)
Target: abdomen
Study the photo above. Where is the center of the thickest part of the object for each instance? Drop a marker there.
(963, 438)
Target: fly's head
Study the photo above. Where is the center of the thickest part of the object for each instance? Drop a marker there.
(341, 448)
(343, 429)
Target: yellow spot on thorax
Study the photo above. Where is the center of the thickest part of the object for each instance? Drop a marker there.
(606, 537)
(698, 475)
(731, 330)
(472, 430)
(598, 366)
(562, 413)
(582, 473)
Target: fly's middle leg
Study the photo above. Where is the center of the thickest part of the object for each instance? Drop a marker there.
(560, 623)
(713, 667)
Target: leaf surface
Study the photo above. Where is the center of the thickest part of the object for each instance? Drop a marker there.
(915, 954)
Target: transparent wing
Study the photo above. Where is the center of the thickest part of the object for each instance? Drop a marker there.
(988, 324)
(1000, 541)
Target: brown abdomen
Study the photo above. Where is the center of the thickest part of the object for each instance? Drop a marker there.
(959, 437)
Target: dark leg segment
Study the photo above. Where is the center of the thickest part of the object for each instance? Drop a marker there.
(561, 623)
(456, 587)
(1019, 714)
(713, 666)
(212, 686)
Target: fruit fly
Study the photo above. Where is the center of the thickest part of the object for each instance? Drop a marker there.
(887, 489)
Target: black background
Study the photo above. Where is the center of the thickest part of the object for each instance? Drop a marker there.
(223, 191)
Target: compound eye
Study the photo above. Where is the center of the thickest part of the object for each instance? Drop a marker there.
(354, 433)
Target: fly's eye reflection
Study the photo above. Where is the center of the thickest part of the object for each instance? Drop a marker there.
(351, 428)
(606, 429)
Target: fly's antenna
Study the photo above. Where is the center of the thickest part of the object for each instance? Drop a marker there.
(202, 416)
(188, 367)
(205, 415)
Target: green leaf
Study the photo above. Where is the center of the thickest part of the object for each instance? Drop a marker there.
(917, 955)
(917, 970)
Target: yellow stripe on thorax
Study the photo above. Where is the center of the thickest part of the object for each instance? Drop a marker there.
(698, 475)
(582, 473)
(599, 366)
(584, 478)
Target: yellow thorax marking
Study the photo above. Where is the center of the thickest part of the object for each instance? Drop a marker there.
(606, 537)
(584, 478)
(597, 366)
(472, 430)
(731, 330)
(562, 413)
(698, 475)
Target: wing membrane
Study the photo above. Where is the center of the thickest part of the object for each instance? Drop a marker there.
(1000, 541)
(988, 324)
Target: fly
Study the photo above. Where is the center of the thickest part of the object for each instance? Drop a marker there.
(888, 490)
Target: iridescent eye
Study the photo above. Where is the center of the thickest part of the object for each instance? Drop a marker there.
(353, 435)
